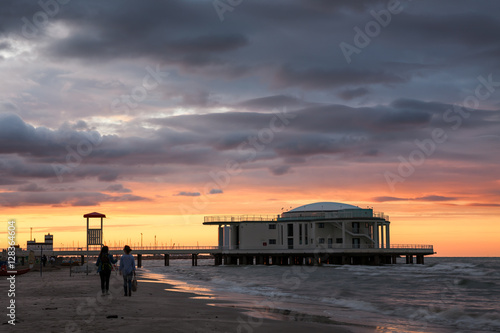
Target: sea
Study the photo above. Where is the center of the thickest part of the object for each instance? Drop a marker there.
(443, 295)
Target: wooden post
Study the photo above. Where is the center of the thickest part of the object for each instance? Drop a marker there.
(83, 259)
(139, 260)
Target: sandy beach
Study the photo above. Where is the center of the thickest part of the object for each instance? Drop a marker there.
(58, 302)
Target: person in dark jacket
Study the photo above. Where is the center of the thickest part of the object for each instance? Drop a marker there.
(104, 267)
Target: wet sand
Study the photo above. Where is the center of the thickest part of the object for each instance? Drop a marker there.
(58, 302)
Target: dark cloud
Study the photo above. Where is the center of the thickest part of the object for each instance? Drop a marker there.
(377, 132)
(387, 198)
(31, 187)
(279, 170)
(425, 198)
(325, 78)
(117, 188)
(14, 199)
(477, 204)
(469, 29)
(272, 103)
(349, 94)
(216, 191)
(435, 198)
(188, 194)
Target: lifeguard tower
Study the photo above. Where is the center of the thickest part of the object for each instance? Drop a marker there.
(94, 235)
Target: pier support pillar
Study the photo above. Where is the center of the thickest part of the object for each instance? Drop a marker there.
(83, 259)
(139, 260)
(394, 260)
(420, 259)
(411, 259)
(167, 259)
(194, 259)
(407, 259)
(317, 261)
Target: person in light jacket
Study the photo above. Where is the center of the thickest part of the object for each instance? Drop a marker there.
(127, 269)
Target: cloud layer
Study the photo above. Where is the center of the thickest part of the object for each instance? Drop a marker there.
(166, 92)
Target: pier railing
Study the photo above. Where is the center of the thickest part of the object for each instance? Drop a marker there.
(138, 248)
(411, 246)
(240, 218)
(175, 248)
(294, 217)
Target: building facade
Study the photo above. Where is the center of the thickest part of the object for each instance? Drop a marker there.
(48, 245)
(329, 225)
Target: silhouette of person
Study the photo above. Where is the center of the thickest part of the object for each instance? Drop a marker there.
(127, 269)
(104, 268)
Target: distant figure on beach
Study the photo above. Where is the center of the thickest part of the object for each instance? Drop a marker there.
(127, 269)
(104, 262)
(44, 260)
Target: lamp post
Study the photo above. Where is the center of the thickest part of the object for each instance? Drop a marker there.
(155, 241)
(141, 239)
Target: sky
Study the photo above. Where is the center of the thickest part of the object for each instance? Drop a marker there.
(158, 113)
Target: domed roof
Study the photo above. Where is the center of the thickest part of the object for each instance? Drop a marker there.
(323, 206)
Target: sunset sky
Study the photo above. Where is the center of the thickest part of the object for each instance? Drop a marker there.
(157, 113)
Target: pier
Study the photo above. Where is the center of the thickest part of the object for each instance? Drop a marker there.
(224, 256)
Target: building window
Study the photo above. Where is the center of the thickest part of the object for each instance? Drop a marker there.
(321, 225)
(330, 243)
(272, 242)
(355, 243)
(281, 235)
(272, 226)
(300, 234)
(322, 241)
(339, 241)
(355, 227)
(290, 230)
(306, 235)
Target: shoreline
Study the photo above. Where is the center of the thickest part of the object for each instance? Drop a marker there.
(57, 302)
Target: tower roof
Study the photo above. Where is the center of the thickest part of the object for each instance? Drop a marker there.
(94, 214)
(323, 206)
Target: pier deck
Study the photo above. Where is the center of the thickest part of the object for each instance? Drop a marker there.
(228, 256)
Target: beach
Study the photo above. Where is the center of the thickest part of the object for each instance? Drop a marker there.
(447, 295)
(58, 302)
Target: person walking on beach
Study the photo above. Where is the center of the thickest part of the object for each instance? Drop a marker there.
(127, 269)
(104, 262)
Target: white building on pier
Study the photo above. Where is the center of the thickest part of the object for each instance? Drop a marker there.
(329, 225)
